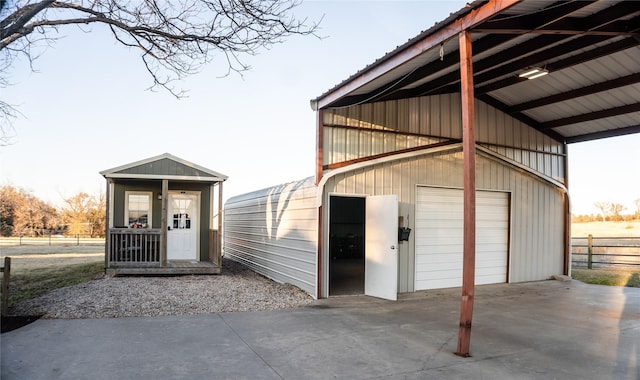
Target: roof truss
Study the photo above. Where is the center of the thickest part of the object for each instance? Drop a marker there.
(563, 35)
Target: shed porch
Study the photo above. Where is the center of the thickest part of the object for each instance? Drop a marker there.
(138, 252)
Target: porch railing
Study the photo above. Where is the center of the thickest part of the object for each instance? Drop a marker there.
(134, 247)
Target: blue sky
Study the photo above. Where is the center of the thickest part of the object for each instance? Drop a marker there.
(86, 109)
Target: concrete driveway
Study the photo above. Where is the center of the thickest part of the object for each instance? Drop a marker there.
(539, 330)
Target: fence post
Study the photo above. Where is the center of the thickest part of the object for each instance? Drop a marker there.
(5, 285)
(590, 251)
(78, 239)
(49, 237)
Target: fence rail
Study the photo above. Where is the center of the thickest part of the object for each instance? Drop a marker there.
(53, 240)
(601, 252)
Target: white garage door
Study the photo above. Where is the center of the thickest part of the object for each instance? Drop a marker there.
(439, 237)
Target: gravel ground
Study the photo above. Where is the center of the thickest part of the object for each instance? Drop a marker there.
(236, 289)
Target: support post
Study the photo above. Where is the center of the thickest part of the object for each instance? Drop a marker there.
(590, 251)
(107, 225)
(6, 276)
(567, 215)
(469, 152)
(220, 216)
(164, 223)
(319, 145)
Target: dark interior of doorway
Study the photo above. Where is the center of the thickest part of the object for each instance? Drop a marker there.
(346, 245)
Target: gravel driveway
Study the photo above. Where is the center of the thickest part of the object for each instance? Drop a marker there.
(236, 289)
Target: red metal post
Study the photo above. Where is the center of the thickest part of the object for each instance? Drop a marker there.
(319, 145)
(469, 151)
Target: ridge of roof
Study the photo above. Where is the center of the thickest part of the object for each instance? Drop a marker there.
(109, 172)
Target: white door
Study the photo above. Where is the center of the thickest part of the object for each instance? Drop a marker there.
(381, 247)
(182, 234)
(439, 237)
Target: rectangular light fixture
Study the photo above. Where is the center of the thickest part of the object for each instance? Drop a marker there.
(533, 73)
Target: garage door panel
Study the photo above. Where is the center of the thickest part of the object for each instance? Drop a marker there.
(454, 249)
(438, 284)
(437, 267)
(439, 237)
(439, 258)
(443, 274)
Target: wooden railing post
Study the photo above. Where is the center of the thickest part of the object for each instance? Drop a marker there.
(590, 251)
(6, 275)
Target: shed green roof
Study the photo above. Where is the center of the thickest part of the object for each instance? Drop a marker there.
(164, 166)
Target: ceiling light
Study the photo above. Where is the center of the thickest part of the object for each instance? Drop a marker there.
(533, 73)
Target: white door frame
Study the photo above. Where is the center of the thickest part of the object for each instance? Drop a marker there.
(195, 228)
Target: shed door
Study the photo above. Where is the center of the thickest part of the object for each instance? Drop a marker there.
(381, 247)
(182, 219)
(439, 237)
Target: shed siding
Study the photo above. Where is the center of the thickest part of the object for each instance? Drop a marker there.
(166, 166)
(384, 127)
(537, 207)
(274, 232)
(118, 206)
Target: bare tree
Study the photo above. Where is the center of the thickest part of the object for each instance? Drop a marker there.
(24, 214)
(175, 38)
(616, 210)
(85, 214)
(604, 207)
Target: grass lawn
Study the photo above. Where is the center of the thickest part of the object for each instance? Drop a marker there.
(38, 281)
(38, 269)
(608, 276)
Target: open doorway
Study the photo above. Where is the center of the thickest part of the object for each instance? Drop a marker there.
(346, 245)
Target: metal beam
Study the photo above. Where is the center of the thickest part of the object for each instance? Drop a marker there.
(567, 62)
(469, 152)
(604, 134)
(584, 91)
(387, 91)
(526, 23)
(408, 52)
(611, 20)
(609, 112)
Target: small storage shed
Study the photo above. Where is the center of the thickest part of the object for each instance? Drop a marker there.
(448, 155)
(163, 217)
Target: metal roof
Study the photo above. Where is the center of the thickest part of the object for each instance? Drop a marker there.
(591, 50)
(164, 166)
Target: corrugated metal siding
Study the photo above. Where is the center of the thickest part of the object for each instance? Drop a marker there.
(537, 242)
(274, 232)
(383, 127)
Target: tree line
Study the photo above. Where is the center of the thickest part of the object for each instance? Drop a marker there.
(23, 214)
(610, 212)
